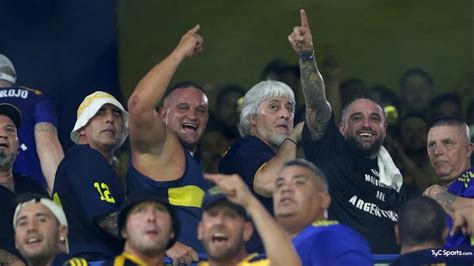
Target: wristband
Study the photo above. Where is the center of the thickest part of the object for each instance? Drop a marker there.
(306, 57)
(292, 140)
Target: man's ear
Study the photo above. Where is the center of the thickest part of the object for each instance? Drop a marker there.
(325, 200)
(444, 234)
(162, 112)
(342, 127)
(248, 231)
(253, 120)
(469, 150)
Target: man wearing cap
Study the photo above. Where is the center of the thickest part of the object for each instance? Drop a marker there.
(225, 226)
(40, 150)
(300, 201)
(163, 142)
(11, 183)
(86, 185)
(149, 226)
(40, 231)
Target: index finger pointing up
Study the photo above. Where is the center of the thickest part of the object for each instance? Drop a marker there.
(195, 29)
(304, 18)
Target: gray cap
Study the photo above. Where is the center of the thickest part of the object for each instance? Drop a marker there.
(7, 71)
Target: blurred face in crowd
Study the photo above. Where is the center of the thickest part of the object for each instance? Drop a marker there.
(416, 92)
(103, 132)
(148, 229)
(223, 232)
(228, 108)
(8, 142)
(38, 234)
(273, 121)
(413, 131)
(299, 198)
(185, 112)
(363, 127)
(449, 150)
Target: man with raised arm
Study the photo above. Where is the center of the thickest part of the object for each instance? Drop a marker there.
(364, 184)
(225, 226)
(163, 142)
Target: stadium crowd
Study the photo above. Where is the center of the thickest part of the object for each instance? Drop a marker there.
(347, 175)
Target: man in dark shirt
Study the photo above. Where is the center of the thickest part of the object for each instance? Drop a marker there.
(86, 185)
(11, 183)
(364, 184)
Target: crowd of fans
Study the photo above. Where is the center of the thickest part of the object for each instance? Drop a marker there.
(305, 170)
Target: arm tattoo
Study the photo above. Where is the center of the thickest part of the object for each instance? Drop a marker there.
(46, 127)
(109, 224)
(318, 110)
(446, 200)
(6, 258)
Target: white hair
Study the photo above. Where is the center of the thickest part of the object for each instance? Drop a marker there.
(259, 93)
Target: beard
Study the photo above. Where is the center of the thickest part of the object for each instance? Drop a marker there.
(6, 160)
(356, 147)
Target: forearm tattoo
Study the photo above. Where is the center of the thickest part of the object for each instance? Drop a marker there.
(318, 110)
(446, 200)
(109, 224)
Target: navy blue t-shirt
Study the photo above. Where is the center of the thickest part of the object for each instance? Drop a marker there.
(88, 189)
(246, 156)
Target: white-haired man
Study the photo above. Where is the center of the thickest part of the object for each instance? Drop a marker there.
(266, 124)
(87, 186)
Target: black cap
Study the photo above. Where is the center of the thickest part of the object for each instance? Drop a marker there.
(215, 195)
(12, 112)
(143, 196)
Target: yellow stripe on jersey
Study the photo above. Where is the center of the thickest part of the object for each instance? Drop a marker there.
(188, 196)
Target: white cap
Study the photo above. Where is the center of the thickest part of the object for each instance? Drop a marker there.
(90, 106)
(55, 209)
(10, 76)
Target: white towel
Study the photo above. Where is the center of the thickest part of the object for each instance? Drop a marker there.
(388, 172)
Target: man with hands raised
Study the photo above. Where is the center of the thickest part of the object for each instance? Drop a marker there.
(163, 142)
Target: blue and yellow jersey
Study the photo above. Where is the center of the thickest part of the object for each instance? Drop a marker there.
(185, 194)
(330, 243)
(88, 189)
(462, 187)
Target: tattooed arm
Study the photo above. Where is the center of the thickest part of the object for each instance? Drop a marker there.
(318, 109)
(447, 200)
(7, 258)
(108, 223)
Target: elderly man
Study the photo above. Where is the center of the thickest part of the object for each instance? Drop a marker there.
(40, 151)
(40, 231)
(266, 124)
(364, 183)
(163, 142)
(449, 150)
(300, 201)
(149, 226)
(11, 183)
(225, 226)
(86, 185)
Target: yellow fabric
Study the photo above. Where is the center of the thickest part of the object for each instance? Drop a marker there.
(188, 196)
(120, 259)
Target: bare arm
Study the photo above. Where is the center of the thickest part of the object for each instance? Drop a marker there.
(276, 241)
(6, 258)
(148, 133)
(318, 109)
(264, 180)
(109, 224)
(464, 220)
(447, 200)
(50, 151)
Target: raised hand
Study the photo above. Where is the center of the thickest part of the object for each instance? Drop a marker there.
(191, 43)
(301, 39)
(233, 187)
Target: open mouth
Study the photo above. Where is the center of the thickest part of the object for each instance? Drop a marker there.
(5, 145)
(33, 240)
(190, 126)
(219, 238)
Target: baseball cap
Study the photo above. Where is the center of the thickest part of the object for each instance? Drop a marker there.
(7, 71)
(12, 112)
(56, 210)
(140, 196)
(215, 195)
(90, 106)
